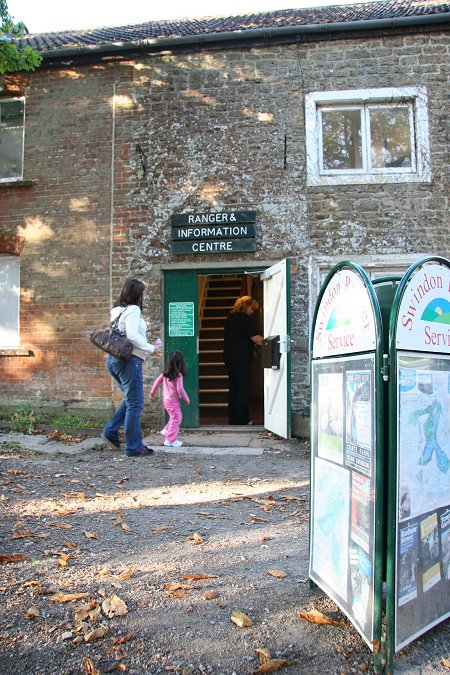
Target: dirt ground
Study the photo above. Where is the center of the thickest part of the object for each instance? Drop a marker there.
(151, 565)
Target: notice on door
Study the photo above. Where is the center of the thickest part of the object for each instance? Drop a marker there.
(181, 319)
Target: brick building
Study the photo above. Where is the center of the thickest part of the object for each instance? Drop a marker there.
(205, 157)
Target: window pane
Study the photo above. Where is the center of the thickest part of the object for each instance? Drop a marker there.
(390, 137)
(11, 139)
(9, 301)
(341, 139)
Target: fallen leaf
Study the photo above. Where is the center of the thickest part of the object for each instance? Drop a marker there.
(67, 597)
(62, 560)
(198, 577)
(160, 528)
(279, 574)
(267, 664)
(256, 519)
(241, 619)
(175, 586)
(90, 612)
(32, 612)
(126, 527)
(124, 638)
(210, 595)
(446, 663)
(60, 526)
(317, 617)
(15, 557)
(95, 634)
(175, 594)
(69, 544)
(196, 538)
(74, 495)
(89, 535)
(127, 574)
(21, 534)
(340, 650)
(114, 606)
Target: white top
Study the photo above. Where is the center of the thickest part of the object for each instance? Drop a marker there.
(133, 325)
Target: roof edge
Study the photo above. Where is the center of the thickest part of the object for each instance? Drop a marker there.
(258, 33)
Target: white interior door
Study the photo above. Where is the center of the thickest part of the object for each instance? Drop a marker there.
(277, 321)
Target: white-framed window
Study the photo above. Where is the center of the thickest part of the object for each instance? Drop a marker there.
(367, 136)
(9, 301)
(12, 125)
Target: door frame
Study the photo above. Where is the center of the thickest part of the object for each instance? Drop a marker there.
(191, 419)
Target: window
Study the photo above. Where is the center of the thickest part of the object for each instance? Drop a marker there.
(12, 113)
(367, 136)
(9, 301)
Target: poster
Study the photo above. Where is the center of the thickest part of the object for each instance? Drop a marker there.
(424, 416)
(361, 587)
(408, 556)
(330, 417)
(331, 524)
(423, 494)
(358, 427)
(361, 510)
(429, 552)
(444, 521)
(343, 444)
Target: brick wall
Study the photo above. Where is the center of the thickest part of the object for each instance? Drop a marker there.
(220, 130)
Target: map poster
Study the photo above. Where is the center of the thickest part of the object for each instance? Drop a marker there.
(423, 421)
(423, 494)
(331, 524)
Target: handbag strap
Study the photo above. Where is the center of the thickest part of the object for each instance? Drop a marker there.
(115, 322)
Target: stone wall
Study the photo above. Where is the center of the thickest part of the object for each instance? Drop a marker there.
(115, 147)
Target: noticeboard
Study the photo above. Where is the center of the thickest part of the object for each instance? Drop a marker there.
(420, 359)
(345, 481)
(181, 319)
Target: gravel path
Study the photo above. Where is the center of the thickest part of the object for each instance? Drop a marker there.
(151, 565)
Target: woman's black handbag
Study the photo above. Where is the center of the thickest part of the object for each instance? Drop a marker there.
(112, 341)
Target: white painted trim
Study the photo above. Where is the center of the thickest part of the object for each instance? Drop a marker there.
(417, 95)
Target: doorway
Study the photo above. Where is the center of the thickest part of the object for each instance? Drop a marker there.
(216, 295)
(196, 304)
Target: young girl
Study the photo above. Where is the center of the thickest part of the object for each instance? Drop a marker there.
(172, 381)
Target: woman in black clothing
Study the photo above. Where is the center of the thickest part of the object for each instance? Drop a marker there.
(240, 338)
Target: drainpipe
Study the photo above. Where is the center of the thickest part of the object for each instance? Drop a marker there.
(258, 33)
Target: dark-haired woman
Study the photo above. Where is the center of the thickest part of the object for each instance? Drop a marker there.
(128, 374)
(240, 338)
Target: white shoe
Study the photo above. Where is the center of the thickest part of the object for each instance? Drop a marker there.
(163, 432)
(173, 444)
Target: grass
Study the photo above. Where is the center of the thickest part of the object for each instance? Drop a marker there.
(26, 419)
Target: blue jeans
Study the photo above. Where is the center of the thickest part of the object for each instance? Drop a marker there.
(128, 375)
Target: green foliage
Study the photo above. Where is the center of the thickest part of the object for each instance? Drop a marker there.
(11, 60)
(25, 420)
(68, 420)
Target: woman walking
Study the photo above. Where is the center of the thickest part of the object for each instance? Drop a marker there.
(128, 374)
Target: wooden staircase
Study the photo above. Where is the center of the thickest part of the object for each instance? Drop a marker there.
(220, 294)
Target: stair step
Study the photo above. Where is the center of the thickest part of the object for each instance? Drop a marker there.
(213, 405)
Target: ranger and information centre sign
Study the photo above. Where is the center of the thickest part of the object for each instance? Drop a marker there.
(213, 232)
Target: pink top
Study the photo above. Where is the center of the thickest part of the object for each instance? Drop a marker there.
(171, 389)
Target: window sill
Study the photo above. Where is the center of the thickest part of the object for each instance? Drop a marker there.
(17, 183)
(16, 352)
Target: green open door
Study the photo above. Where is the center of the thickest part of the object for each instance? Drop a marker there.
(181, 332)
